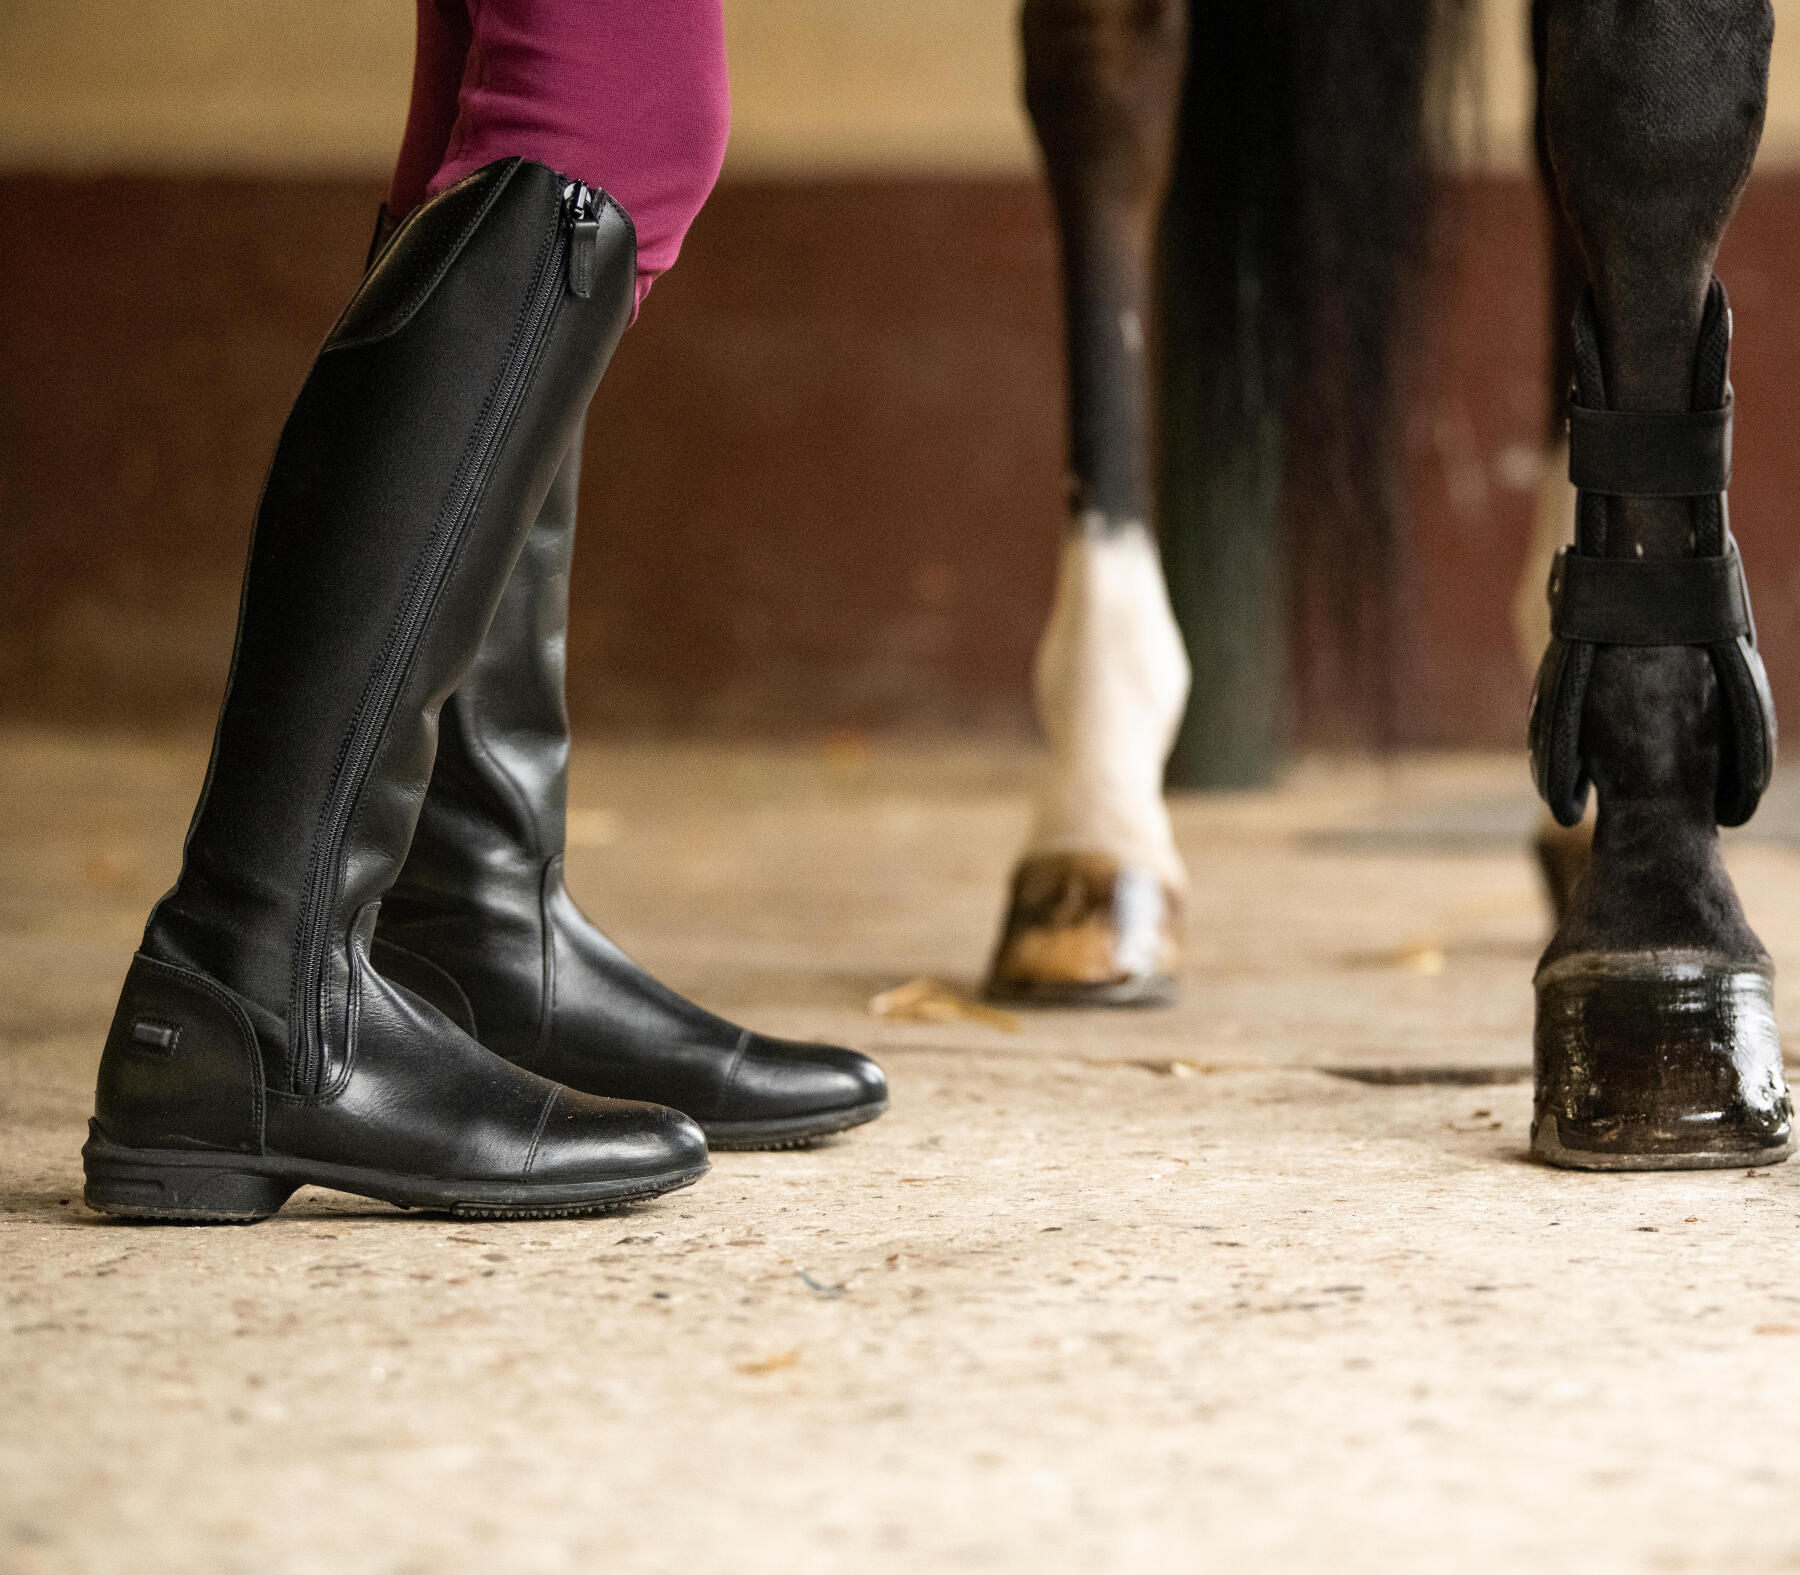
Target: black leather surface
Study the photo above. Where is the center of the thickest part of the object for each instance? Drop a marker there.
(399, 281)
(480, 923)
(407, 477)
(444, 1106)
(202, 1090)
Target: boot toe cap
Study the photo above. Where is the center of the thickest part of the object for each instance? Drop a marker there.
(587, 1138)
(778, 1077)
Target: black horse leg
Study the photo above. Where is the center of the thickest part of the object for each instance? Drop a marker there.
(1568, 273)
(1656, 1042)
(1096, 898)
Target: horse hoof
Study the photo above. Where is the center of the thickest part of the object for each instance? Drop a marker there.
(1658, 1061)
(1084, 930)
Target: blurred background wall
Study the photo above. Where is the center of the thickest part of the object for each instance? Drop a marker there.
(824, 477)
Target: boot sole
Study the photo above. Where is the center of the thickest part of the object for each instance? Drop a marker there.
(176, 1185)
(792, 1132)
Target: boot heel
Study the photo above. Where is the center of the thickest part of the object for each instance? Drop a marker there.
(170, 1185)
(1658, 1061)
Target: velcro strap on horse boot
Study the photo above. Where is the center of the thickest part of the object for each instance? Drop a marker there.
(1649, 601)
(1650, 453)
(1597, 600)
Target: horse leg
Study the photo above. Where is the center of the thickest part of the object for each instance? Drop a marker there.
(1656, 1044)
(1096, 898)
(1561, 851)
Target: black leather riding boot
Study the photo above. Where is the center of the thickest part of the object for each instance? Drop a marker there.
(1656, 1045)
(255, 1048)
(479, 921)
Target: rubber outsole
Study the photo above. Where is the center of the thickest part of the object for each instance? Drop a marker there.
(793, 1132)
(179, 1186)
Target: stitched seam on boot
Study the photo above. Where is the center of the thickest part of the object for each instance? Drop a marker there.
(509, 785)
(333, 878)
(544, 1039)
(543, 1032)
(469, 1024)
(247, 1040)
(731, 1072)
(409, 308)
(537, 1135)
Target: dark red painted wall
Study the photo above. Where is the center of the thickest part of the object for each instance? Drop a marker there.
(824, 476)
(1479, 391)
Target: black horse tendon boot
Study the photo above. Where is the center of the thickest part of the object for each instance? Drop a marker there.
(255, 1049)
(480, 924)
(1656, 1046)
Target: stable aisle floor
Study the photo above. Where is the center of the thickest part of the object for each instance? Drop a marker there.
(1261, 1282)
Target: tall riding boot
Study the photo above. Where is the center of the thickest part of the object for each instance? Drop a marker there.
(480, 923)
(255, 1048)
(1656, 1046)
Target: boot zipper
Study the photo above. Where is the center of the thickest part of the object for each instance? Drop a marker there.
(571, 263)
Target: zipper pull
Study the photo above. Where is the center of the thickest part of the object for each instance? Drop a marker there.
(584, 238)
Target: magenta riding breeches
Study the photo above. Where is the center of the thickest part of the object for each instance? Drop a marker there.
(629, 95)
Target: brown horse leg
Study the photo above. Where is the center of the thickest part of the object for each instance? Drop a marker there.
(1096, 898)
(1656, 1041)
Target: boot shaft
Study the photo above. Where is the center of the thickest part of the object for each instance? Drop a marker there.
(499, 788)
(485, 866)
(411, 468)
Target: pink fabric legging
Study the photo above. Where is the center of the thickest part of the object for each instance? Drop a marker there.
(629, 95)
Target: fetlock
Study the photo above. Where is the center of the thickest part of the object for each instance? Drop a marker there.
(1655, 880)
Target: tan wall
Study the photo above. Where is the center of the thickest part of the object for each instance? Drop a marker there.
(821, 86)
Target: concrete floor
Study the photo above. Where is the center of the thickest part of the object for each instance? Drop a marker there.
(1138, 1291)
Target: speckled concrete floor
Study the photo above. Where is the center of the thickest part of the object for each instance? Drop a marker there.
(1136, 1291)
